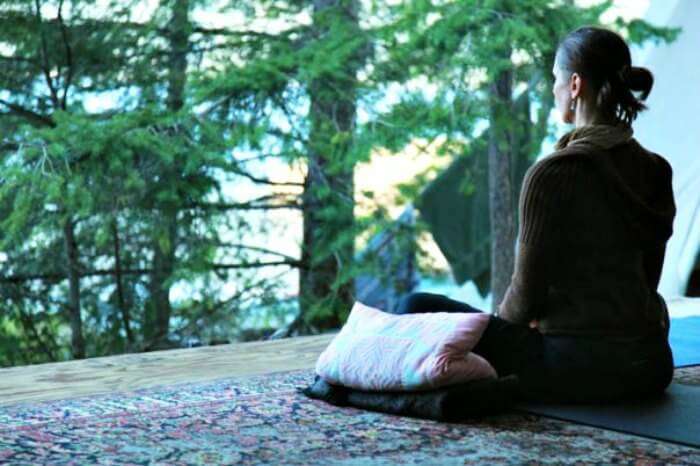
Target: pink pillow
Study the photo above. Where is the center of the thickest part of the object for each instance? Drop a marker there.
(379, 351)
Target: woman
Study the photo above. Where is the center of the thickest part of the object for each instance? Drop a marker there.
(581, 320)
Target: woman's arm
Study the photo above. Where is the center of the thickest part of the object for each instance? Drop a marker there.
(662, 200)
(544, 200)
(653, 261)
(524, 297)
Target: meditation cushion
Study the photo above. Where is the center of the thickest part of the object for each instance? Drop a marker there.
(453, 403)
(379, 351)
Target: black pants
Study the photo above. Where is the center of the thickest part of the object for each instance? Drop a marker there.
(563, 368)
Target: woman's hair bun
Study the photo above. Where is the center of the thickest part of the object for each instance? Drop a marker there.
(639, 79)
(603, 57)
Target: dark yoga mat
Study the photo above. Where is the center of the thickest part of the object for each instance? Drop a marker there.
(675, 417)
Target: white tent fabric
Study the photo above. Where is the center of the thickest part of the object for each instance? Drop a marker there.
(671, 127)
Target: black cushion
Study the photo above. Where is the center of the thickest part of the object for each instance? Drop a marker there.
(451, 403)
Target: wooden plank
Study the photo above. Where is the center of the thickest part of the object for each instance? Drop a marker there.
(71, 379)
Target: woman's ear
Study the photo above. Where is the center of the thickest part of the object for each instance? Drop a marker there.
(575, 85)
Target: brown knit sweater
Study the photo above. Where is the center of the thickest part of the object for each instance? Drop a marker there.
(594, 220)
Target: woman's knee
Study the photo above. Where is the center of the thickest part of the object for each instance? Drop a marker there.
(417, 301)
(421, 301)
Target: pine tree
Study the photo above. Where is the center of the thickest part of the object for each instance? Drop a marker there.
(105, 208)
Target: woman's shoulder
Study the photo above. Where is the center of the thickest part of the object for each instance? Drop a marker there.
(552, 181)
(659, 161)
(559, 166)
(660, 167)
(582, 159)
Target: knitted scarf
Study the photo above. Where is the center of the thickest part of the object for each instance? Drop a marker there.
(605, 136)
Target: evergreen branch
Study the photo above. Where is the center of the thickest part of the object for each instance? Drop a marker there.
(257, 248)
(234, 206)
(146, 26)
(28, 114)
(255, 157)
(8, 146)
(267, 181)
(290, 120)
(18, 59)
(229, 32)
(252, 204)
(249, 265)
(283, 135)
(56, 276)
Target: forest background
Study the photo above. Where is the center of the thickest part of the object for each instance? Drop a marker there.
(170, 169)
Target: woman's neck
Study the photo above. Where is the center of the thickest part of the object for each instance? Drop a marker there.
(587, 115)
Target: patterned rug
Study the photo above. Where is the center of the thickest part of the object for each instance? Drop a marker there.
(263, 420)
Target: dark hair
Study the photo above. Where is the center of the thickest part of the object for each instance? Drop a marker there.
(602, 56)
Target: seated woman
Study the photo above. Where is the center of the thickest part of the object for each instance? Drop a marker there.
(581, 320)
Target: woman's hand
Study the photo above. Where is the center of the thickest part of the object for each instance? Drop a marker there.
(534, 323)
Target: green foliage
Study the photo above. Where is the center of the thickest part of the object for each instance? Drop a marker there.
(93, 134)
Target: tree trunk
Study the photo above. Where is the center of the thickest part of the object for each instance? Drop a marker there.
(163, 266)
(76, 321)
(500, 187)
(164, 258)
(328, 198)
(179, 32)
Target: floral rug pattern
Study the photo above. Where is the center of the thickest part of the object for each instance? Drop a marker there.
(264, 420)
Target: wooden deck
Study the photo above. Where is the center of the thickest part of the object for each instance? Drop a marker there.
(62, 380)
(70, 379)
